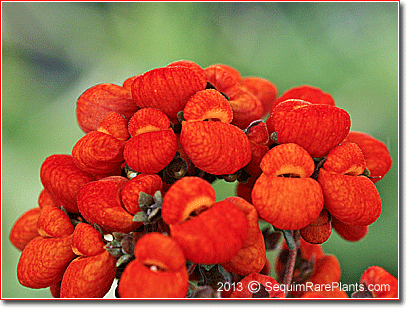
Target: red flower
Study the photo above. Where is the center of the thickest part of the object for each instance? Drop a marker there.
(349, 232)
(319, 230)
(252, 256)
(375, 152)
(380, 283)
(263, 89)
(158, 270)
(25, 229)
(167, 89)
(44, 260)
(146, 183)
(208, 232)
(98, 101)
(259, 138)
(318, 128)
(91, 274)
(115, 125)
(224, 78)
(53, 222)
(250, 98)
(284, 194)
(100, 202)
(344, 187)
(153, 143)
(100, 152)
(216, 147)
(307, 93)
(62, 179)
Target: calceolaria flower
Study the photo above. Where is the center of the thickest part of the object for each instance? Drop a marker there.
(133, 203)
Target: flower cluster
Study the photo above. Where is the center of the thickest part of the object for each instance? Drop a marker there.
(134, 200)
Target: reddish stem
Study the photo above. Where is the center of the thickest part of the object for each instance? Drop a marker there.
(290, 264)
(191, 268)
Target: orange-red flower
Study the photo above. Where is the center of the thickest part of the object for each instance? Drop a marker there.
(349, 196)
(62, 179)
(25, 229)
(246, 108)
(258, 136)
(91, 274)
(284, 194)
(158, 270)
(153, 143)
(167, 89)
(115, 125)
(146, 183)
(96, 102)
(252, 256)
(44, 260)
(224, 78)
(53, 222)
(380, 283)
(45, 199)
(100, 152)
(349, 232)
(250, 98)
(263, 89)
(208, 232)
(319, 230)
(307, 93)
(100, 202)
(318, 128)
(376, 154)
(216, 147)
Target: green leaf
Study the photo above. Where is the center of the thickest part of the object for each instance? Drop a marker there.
(290, 242)
(140, 217)
(145, 200)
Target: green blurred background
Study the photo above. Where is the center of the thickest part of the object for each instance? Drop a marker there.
(52, 52)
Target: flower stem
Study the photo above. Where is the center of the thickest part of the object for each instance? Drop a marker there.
(191, 268)
(290, 265)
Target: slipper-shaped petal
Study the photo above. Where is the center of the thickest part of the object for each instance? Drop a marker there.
(263, 89)
(153, 143)
(89, 277)
(208, 232)
(62, 179)
(215, 147)
(100, 203)
(208, 104)
(317, 128)
(99, 153)
(354, 200)
(160, 268)
(44, 260)
(252, 257)
(308, 93)
(54, 222)
(167, 89)
(25, 229)
(96, 102)
(146, 183)
(380, 283)
(284, 194)
(376, 154)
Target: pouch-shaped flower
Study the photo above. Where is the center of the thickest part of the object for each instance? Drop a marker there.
(284, 194)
